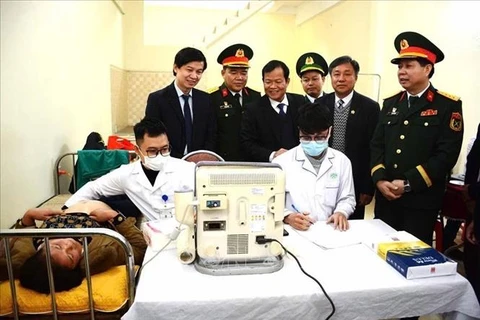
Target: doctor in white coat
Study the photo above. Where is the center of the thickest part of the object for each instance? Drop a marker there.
(319, 181)
(150, 183)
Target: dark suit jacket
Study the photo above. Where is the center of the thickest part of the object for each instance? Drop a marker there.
(471, 178)
(229, 115)
(361, 123)
(165, 105)
(261, 131)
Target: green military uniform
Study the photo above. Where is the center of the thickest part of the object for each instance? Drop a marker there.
(418, 142)
(229, 113)
(228, 109)
(307, 100)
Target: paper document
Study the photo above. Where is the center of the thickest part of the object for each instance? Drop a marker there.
(326, 237)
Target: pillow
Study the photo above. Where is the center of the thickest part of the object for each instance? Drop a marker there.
(109, 290)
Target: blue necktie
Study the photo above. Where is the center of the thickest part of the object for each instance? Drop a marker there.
(282, 112)
(188, 122)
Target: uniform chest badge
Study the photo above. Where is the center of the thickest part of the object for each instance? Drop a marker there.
(456, 121)
(428, 113)
(226, 105)
(394, 112)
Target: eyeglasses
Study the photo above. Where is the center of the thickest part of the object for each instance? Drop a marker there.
(314, 138)
(165, 151)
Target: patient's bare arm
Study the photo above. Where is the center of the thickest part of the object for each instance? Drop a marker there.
(41, 214)
(87, 206)
(103, 215)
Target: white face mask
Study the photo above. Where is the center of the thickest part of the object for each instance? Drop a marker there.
(157, 163)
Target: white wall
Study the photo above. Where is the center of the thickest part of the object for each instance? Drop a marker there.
(55, 89)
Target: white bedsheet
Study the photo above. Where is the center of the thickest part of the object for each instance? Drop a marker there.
(361, 285)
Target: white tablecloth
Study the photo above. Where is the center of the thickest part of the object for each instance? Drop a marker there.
(361, 285)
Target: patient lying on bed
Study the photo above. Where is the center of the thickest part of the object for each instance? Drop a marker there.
(29, 257)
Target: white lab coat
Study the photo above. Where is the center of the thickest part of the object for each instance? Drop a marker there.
(178, 175)
(322, 194)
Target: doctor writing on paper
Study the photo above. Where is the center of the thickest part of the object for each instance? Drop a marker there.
(319, 180)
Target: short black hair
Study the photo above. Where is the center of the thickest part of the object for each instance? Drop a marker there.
(423, 62)
(153, 127)
(343, 60)
(34, 275)
(187, 55)
(272, 65)
(314, 117)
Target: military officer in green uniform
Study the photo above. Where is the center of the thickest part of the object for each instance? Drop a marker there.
(416, 142)
(312, 69)
(229, 100)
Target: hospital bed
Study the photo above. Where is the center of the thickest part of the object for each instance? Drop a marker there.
(110, 293)
(102, 296)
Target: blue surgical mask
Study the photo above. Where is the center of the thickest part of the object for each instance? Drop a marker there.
(313, 148)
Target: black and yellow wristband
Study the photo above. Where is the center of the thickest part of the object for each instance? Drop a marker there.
(119, 218)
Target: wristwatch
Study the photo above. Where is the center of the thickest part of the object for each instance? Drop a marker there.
(119, 218)
(20, 223)
(406, 186)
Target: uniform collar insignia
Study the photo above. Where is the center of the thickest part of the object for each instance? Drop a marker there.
(224, 92)
(430, 95)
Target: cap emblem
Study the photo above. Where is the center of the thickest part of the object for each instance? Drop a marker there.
(309, 60)
(239, 53)
(404, 44)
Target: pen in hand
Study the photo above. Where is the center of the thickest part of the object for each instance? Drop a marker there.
(304, 215)
(295, 208)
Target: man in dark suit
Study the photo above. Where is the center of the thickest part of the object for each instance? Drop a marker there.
(472, 245)
(269, 126)
(355, 117)
(416, 143)
(185, 111)
(229, 100)
(312, 69)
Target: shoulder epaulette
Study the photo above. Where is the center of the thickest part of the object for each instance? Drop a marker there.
(448, 95)
(393, 95)
(212, 90)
